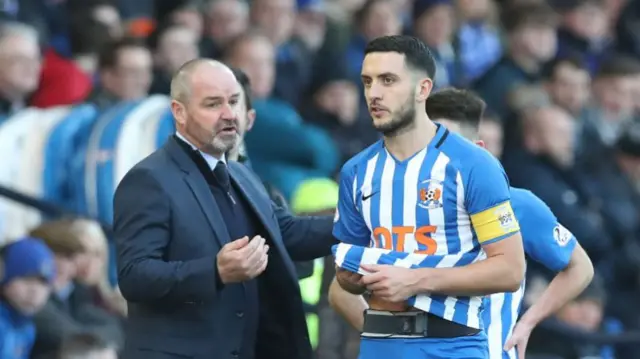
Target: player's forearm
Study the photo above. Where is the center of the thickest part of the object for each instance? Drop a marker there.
(567, 285)
(493, 275)
(349, 306)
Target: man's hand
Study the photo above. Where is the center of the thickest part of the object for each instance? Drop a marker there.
(242, 259)
(350, 281)
(519, 338)
(393, 284)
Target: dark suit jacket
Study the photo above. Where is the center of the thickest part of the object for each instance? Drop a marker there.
(168, 230)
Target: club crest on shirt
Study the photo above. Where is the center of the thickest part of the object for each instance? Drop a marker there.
(430, 194)
(561, 235)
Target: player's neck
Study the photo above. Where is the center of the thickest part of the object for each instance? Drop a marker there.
(406, 144)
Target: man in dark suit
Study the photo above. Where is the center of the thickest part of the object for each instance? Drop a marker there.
(204, 257)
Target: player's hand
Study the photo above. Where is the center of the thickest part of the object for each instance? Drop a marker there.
(519, 339)
(242, 259)
(350, 281)
(393, 284)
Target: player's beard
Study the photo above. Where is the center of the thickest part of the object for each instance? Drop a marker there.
(402, 121)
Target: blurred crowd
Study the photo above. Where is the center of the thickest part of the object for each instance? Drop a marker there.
(561, 79)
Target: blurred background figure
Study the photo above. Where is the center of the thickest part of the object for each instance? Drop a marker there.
(87, 346)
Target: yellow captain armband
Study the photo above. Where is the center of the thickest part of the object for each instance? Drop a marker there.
(495, 223)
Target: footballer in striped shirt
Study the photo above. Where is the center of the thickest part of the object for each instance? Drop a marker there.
(422, 189)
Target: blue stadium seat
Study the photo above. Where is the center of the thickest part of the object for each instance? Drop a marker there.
(121, 138)
(24, 139)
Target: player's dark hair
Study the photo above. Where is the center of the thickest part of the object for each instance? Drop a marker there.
(574, 61)
(456, 105)
(415, 52)
(244, 81)
(619, 66)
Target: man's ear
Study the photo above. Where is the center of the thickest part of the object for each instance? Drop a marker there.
(251, 118)
(424, 89)
(179, 112)
(481, 143)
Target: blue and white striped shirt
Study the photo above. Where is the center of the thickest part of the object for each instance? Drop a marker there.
(446, 201)
(546, 241)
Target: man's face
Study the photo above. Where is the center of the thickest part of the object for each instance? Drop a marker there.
(27, 294)
(227, 19)
(588, 21)
(209, 115)
(382, 20)
(131, 77)
(390, 91)
(339, 98)
(435, 27)
(490, 133)
(556, 134)
(66, 270)
(537, 41)
(246, 116)
(570, 87)
(615, 96)
(177, 46)
(20, 64)
(256, 57)
(275, 17)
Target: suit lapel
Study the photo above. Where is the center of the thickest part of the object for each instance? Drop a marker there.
(200, 189)
(250, 194)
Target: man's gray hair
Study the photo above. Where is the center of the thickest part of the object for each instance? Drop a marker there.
(14, 28)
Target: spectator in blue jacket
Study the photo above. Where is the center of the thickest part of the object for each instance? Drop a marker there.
(24, 289)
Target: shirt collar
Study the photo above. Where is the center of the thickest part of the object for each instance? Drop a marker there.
(211, 161)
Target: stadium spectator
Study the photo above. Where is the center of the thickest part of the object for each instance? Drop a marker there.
(184, 12)
(87, 346)
(531, 41)
(224, 21)
(374, 19)
(20, 64)
(92, 266)
(276, 19)
(24, 289)
(310, 25)
(568, 83)
(70, 309)
(433, 23)
(68, 81)
(172, 45)
(125, 73)
(545, 166)
(585, 31)
(491, 133)
(246, 117)
(478, 39)
(333, 106)
(298, 151)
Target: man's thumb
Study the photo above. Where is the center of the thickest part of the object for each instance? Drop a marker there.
(238, 243)
(509, 344)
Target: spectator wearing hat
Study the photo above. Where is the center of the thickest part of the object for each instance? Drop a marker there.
(333, 105)
(70, 309)
(29, 273)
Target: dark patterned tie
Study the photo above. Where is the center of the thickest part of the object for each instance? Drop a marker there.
(222, 176)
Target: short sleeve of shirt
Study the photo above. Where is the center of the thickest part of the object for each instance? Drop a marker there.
(545, 240)
(349, 226)
(487, 199)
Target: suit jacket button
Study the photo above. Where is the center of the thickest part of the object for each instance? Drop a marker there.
(239, 314)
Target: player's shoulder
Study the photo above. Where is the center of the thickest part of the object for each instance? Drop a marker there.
(466, 155)
(360, 160)
(529, 208)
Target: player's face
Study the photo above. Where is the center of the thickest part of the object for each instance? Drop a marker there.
(390, 91)
(209, 116)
